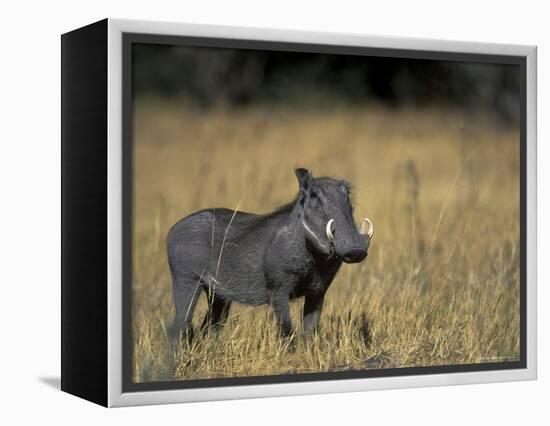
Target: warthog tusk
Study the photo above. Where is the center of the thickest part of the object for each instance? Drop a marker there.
(328, 230)
(370, 232)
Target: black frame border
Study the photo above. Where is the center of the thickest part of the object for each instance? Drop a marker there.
(84, 185)
(128, 39)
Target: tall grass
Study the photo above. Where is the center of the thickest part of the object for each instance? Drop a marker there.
(440, 285)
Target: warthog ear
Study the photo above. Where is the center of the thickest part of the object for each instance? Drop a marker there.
(304, 178)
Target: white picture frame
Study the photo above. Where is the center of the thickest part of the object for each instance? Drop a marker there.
(116, 395)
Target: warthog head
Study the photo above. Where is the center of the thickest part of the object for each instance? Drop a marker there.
(326, 213)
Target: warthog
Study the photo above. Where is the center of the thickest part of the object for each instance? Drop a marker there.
(254, 259)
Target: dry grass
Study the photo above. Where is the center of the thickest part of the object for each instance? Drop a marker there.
(441, 284)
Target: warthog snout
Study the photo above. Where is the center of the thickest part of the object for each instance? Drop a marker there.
(355, 254)
(351, 248)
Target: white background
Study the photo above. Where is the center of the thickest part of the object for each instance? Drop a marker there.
(30, 210)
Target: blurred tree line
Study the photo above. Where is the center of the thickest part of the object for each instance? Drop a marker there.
(207, 77)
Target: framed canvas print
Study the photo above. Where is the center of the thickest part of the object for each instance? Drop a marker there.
(252, 212)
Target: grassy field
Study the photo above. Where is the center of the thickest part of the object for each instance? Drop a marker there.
(440, 285)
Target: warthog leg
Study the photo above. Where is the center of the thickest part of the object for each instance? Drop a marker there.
(186, 295)
(216, 314)
(281, 307)
(313, 305)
